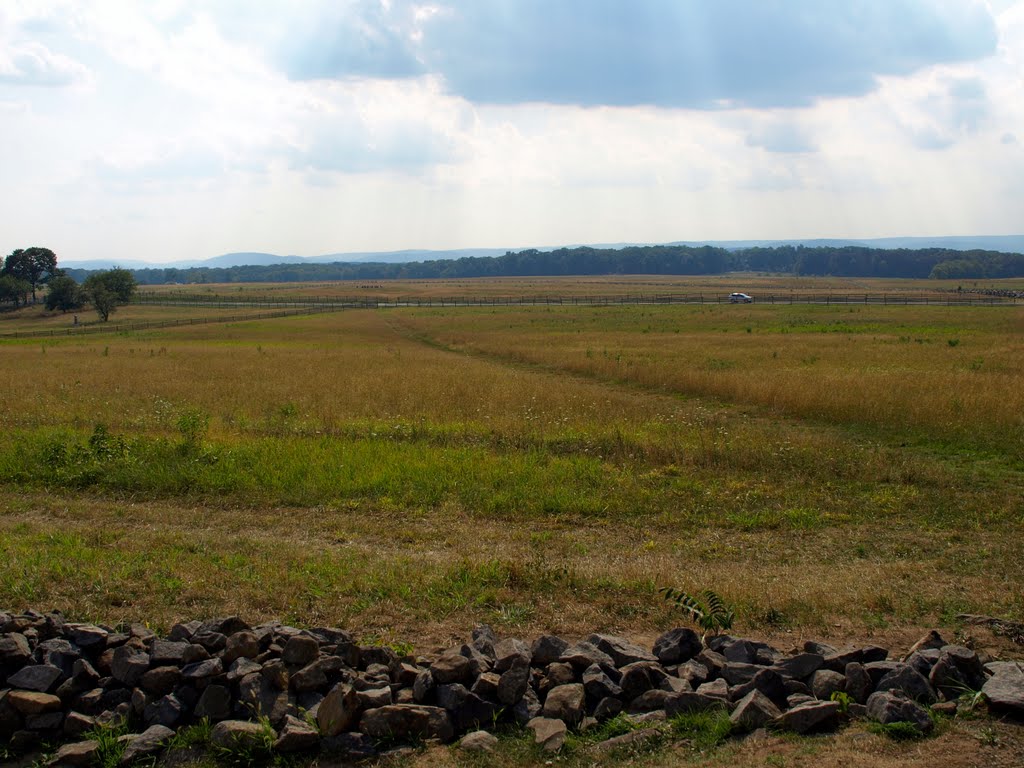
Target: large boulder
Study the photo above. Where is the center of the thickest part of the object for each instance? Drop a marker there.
(888, 707)
(1004, 691)
(566, 703)
(677, 646)
(405, 722)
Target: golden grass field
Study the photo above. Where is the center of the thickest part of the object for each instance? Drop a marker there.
(834, 472)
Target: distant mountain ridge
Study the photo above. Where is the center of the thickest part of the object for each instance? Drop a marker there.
(1003, 243)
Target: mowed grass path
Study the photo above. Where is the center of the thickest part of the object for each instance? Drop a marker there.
(415, 471)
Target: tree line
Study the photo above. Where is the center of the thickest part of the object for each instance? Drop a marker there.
(25, 270)
(845, 261)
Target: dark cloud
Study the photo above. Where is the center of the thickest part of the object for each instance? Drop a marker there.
(668, 53)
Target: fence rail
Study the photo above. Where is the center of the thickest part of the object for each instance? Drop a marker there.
(286, 307)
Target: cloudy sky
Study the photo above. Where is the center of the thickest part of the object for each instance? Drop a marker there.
(173, 129)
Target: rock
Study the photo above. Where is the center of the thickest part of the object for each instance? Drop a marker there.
(164, 652)
(215, 703)
(235, 734)
(75, 724)
(407, 721)
(213, 642)
(161, 680)
(858, 685)
(1004, 691)
(47, 721)
(184, 631)
(825, 682)
(423, 687)
(86, 636)
(738, 673)
(527, 707)
(583, 654)
(693, 672)
(597, 685)
(677, 646)
(932, 641)
(147, 743)
(607, 708)
(633, 739)
(487, 685)
(202, 670)
(241, 645)
(513, 682)
(635, 680)
(129, 664)
(739, 651)
(376, 697)
(560, 674)
(36, 677)
(275, 672)
(14, 649)
(478, 741)
(82, 753)
(799, 667)
(484, 639)
(451, 668)
(547, 649)
(755, 710)
(296, 736)
(621, 650)
(889, 707)
(338, 710)
(300, 651)
(718, 689)
(908, 680)
(549, 734)
(924, 661)
(566, 703)
(349, 747)
(715, 663)
(817, 716)
(768, 682)
(957, 671)
(649, 701)
(310, 678)
(223, 625)
(32, 702)
(167, 710)
(509, 652)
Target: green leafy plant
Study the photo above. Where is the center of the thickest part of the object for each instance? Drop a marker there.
(843, 699)
(708, 610)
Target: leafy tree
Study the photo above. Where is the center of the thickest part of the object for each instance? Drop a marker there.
(34, 265)
(64, 294)
(14, 289)
(109, 288)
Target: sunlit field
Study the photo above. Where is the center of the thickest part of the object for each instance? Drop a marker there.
(408, 472)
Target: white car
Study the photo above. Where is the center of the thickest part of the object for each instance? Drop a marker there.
(740, 298)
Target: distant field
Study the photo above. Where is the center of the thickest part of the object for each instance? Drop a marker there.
(407, 472)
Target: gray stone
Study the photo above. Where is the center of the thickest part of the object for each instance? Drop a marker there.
(484, 639)
(215, 703)
(635, 680)
(423, 687)
(932, 641)
(693, 672)
(234, 734)
(598, 685)
(300, 651)
(82, 753)
(202, 670)
(825, 682)
(755, 710)
(164, 652)
(46, 721)
(566, 703)
(451, 668)
(478, 741)
(677, 646)
(407, 721)
(350, 747)
(583, 654)
(194, 653)
(296, 736)
(889, 707)
(768, 682)
(223, 625)
(241, 667)
(376, 697)
(275, 672)
(14, 649)
(487, 685)
(311, 677)
(129, 664)
(549, 734)
(858, 685)
(547, 649)
(717, 689)
(607, 708)
(509, 652)
(817, 716)
(527, 707)
(86, 636)
(338, 710)
(167, 710)
(649, 701)
(161, 680)
(957, 671)
(147, 743)
(241, 645)
(739, 651)
(799, 667)
(513, 682)
(75, 724)
(36, 677)
(621, 650)
(631, 740)
(1004, 691)
(738, 673)
(908, 680)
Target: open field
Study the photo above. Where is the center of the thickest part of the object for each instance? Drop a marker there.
(832, 471)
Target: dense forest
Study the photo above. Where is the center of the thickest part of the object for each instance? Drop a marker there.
(848, 261)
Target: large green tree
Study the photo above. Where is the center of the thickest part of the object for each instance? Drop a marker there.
(64, 293)
(34, 265)
(14, 289)
(109, 288)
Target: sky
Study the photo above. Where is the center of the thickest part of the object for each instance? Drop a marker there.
(182, 129)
